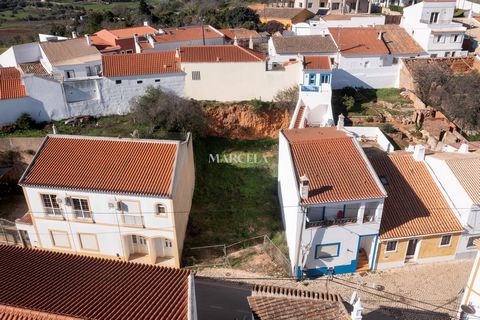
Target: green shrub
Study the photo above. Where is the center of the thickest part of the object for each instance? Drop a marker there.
(388, 128)
(369, 119)
(396, 8)
(258, 105)
(458, 13)
(348, 102)
(25, 122)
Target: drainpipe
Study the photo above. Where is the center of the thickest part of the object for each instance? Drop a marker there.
(297, 258)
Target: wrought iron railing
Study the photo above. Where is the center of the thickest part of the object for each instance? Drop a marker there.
(331, 222)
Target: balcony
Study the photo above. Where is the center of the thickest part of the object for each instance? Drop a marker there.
(331, 222)
(132, 220)
(439, 21)
(309, 88)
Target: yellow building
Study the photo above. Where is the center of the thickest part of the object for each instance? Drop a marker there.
(286, 16)
(417, 224)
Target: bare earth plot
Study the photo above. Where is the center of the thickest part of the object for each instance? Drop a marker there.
(413, 292)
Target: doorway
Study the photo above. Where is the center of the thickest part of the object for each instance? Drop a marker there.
(139, 244)
(412, 249)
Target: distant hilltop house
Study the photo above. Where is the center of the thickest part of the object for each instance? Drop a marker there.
(126, 199)
(286, 16)
(327, 6)
(430, 24)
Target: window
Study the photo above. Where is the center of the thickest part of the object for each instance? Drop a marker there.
(439, 39)
(139, 81)
(157, 80)
(50, 205)
(81, 208)
(433, 55)
(168, 243)
(60, 239)
(89, 71)
(300, 5)
(311, 79)
(309, 5)
(395, 61)
(118, 81)
(88, 241)
(384, 180)
(325, 78)
(335, 6)
(160, 210)
(391, 246)
(129, 51)
(327, 250)
(446, 241)
(70, 74)
(434, 17)
(195, 75)
(470, 241)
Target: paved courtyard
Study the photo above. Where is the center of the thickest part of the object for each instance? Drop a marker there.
(412, 292)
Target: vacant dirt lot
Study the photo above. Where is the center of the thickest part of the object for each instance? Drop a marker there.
(413, 292)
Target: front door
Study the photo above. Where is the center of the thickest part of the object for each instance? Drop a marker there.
(139, 244)
(411, 249)
(167, 248)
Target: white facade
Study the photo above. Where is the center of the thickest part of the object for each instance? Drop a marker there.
(472, 7)
(310, 228)
(461, 203)
(123, 226)
(320, 26)
(431, 25)
(237, 81)
(22, 53)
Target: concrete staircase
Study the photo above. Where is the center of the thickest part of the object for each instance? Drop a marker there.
(362, 264)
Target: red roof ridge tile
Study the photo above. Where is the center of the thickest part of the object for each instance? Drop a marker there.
(293, 293)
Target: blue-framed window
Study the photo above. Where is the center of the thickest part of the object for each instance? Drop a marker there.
(324, 78)
(330, 250)
(311, 79)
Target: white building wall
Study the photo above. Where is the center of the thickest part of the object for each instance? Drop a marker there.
(289, 200)
(224, 81)
(469, 5)
(107, 221)
(371, 133)
(355, 22)
(22, 53)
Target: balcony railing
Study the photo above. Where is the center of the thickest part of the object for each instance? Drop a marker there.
(54, 212)
(440, 21)
(309, 88)
(331, 222)
(132, 220)
(80, 214)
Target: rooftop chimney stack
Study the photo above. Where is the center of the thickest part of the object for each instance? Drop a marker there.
(304, 187)
(74, 34)
(419, 152)
(250, 43)
(89, 40)
(235, 41)
(145, 23)
(177, 53)
(340, 122)
(380, 35)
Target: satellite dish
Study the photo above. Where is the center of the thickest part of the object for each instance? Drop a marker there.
(468, 309)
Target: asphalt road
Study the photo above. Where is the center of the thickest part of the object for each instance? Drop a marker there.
(220, 300)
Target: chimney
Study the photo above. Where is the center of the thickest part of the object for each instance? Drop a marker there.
(419, 152)
(303, 187)
(74, 35)
(380, 35)
(340, 122)
(250, 43)
(177, 53)
(151, 40)
(54, 129)
(235, 41)
(463, 148)
(89, 40)
(145, 23)
(357, 307)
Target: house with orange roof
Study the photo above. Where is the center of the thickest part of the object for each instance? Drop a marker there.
(233, 73)
(427, 230)
(114, 41)
(458, 176)
(126, 199)
(331, 201)
(370, 57)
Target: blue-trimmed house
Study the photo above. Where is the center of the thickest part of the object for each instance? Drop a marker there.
(331, 200)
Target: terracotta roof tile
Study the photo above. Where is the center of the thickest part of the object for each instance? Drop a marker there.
(409, 182)
(336, 167)
(274, 303)
(104, 164)
(358, 41)
(240, 33)
(13, 313)
(130, 32)
(282, 13)
(398, 41)
(304, 44)
(139, 63)
(219, 53)
(317, 63)
(467, 172)
(11, 85)
(71, 51)
(188, 33)
(90, 288)
(33, 68)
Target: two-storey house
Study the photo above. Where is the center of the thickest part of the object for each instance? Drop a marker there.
(331, 201)
(122, 198)
(314, 107)
(430, 24)
(418, 225)
(458, 175)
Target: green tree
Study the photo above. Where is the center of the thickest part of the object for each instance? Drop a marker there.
(144, 8)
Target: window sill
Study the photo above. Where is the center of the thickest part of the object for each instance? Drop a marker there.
(54, 217)
(89, 220)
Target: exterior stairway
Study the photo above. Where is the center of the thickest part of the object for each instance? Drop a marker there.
(362, 264)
